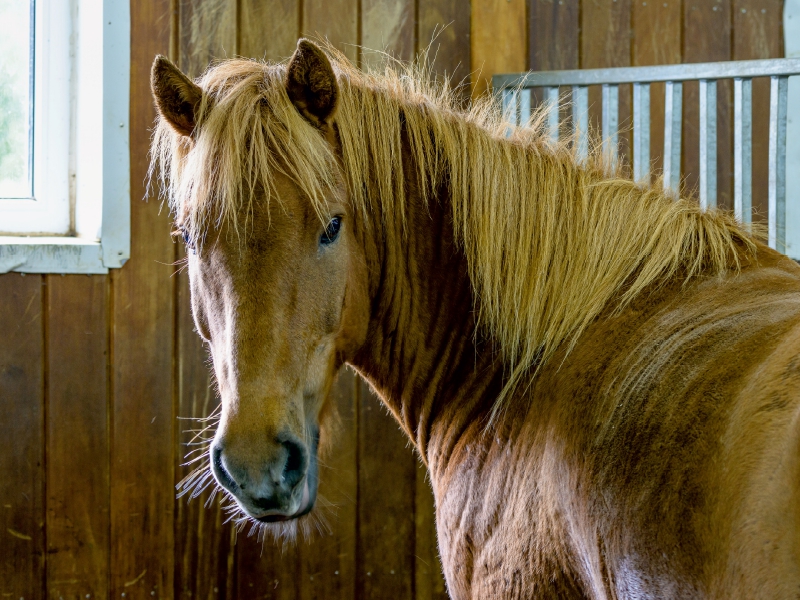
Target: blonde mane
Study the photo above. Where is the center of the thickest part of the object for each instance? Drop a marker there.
(550, 242)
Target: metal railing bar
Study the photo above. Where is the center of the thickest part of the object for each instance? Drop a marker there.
(679, 72)
(743, 149)
(641, 131)
(673, 109)
(524, 114)
(779, 87)
(708, 143)
(580, 120)
(509, 102)
(552, 99)
(610, 122)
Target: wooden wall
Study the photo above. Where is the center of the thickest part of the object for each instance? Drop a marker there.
(99, 374)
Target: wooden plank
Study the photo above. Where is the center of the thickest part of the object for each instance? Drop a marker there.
(656, 41)
(707, 38)
(553, 43)
(22, 429)
(143, 421)
(444, 26)
(429, 578)
(268, 29)
(77, 436)
(498, 40)
(553, 32)
(386, 498)
(336, 20)
(606, 42)
(268, 569)
(328, 560)
(207, 32)
(758, 33)
(204, 551)
(387, 26)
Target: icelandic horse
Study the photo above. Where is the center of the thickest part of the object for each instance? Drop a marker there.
(602, 380)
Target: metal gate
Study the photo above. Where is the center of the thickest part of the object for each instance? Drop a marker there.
(515, 93)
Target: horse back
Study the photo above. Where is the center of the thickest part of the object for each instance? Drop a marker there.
(660, 457)
(690, 434)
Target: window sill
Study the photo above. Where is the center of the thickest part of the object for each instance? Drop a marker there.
(57, 255)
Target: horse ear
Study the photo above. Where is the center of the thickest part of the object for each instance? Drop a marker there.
(177, 97)
(311, 83)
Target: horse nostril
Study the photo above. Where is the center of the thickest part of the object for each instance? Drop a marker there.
(296, 462)
(223, 476)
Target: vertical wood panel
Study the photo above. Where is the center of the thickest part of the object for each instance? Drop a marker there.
(77, 437)
(386, 500)
(428, 577)
(267, 569)
(142, 447)
(268, 29)
(758, 33)
(22, 429)
(553, 42)
(336, 20)
(606, 42)
(444, 25)
(387, 26)
(656, 41)
(707, 38)
(328, 561)
(499, 40)
(207, 32)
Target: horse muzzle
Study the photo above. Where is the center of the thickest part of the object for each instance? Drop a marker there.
(280, 486)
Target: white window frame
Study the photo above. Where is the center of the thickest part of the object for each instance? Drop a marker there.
(791, 32)
(81, 177)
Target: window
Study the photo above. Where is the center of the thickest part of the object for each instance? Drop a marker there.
(64, 158)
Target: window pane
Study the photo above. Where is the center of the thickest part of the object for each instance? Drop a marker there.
(15, 98)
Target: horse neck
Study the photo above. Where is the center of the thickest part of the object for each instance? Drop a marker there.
(422, 355)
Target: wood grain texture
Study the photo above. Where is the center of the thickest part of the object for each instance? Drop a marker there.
(336, 20)
(606, 42)
(386, 499)
(387, 26)
(553, 44)
(22, 515)
(204, 552)
(328, 560)
(268, 28)
(268, 569)
(707, 38)
(428, 577)
(207, 32)
(656, 41)
(143, 417)
(444, 27)
(553, 35)
(499, 40)
(758, 33)
(77, 437)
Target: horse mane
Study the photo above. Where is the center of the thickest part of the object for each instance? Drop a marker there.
(551, 241)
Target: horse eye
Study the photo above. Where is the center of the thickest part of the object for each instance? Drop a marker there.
(331, 231)
(187, 239)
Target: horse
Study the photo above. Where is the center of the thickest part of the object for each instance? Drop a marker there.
(602, 379)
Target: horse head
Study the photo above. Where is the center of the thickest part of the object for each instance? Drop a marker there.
(277, 280)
